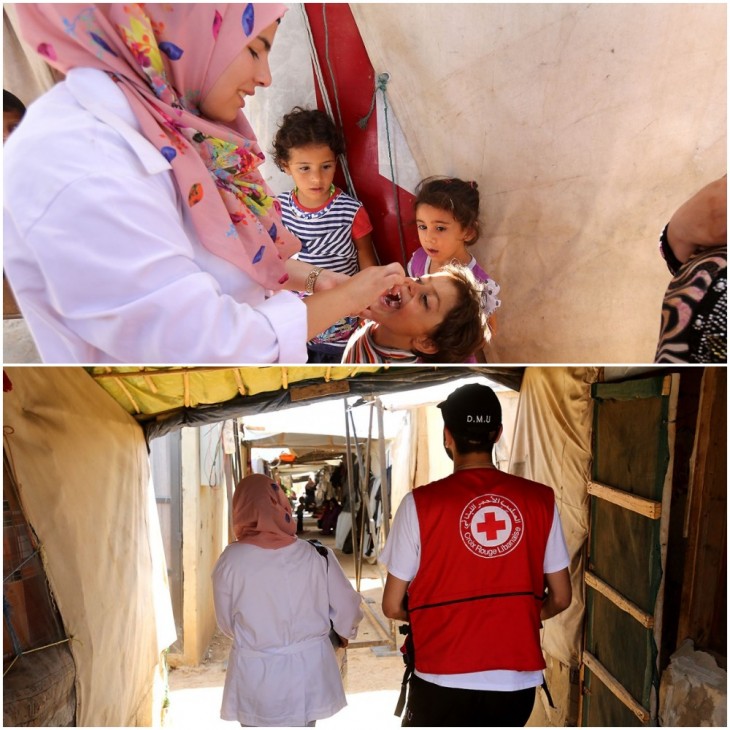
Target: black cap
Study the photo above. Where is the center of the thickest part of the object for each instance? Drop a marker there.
(472, 410)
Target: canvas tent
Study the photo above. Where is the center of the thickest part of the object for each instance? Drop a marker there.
(585, 126)
(80, 464)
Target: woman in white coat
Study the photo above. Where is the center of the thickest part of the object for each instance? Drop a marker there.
(275, 596)
(137, 227)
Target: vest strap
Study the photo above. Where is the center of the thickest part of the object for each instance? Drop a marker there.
(547, 692)
(409, 659)
(477, 598)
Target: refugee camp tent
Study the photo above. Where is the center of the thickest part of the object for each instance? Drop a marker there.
(638, 466)
(584, 125)
(79, 462)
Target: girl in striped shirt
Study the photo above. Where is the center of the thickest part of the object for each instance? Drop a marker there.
(333, 227)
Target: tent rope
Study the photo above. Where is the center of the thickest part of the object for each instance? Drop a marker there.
(38, 648)
(381, 84)
(342, 159)
(15, 569)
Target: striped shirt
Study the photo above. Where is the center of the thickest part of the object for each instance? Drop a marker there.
(327, 233)
(362, 349)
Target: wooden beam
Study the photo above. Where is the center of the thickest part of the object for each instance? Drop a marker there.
(145, 372)
(704, 585)
(126, 392)
(186, 390)
(239, 381)
(619, 691)
(619, 600)
(299, 393)
(647, 507)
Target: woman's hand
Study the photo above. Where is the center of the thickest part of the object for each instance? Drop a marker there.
(368, 285)
(329, 280)
(350, 297)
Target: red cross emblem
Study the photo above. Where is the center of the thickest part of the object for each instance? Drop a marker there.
(491, 526)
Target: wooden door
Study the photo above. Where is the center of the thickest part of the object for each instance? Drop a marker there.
(629, 511)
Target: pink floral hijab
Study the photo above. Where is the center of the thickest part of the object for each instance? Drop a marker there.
(165, 58)
(262, 514)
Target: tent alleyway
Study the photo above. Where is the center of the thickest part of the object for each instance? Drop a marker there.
(373, 676)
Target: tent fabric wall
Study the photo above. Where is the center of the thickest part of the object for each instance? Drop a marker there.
(585, 127)
(552, 445)
(82, 469)
(24, 73)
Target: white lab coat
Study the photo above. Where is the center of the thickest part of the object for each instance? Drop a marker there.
(103, 257)
(276, 605)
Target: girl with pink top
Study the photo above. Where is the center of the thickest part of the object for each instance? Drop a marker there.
(447, 217)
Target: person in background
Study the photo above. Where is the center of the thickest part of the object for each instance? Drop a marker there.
(475, 562)
(694, 311)
(13, 111)
(138, 227)
(277, 598)
(334, 228)
(300, 515)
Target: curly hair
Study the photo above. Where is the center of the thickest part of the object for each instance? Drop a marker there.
(11, 103)
(464, 329)
(304, 127)
(458, 197)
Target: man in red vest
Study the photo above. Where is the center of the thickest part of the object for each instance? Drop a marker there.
(475, 562)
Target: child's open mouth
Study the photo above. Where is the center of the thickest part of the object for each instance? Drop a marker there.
(392, 299)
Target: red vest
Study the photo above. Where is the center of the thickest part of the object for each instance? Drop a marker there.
(475, 602)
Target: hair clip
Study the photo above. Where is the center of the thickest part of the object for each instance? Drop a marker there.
(488, 295)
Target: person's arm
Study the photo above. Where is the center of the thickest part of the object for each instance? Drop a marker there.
(365, 251)
(222, 600)
(299, 271)
(700, 222)
(345, 602)
(559, 594)
(394, 598)
(119, 271)
(350, 298)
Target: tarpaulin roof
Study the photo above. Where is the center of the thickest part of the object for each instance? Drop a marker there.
(165, 399)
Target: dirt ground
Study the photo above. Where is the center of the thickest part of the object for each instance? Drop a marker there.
(374, 673)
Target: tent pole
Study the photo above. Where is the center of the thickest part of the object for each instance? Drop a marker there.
(362, 476)
(351, 493)
(366, 517)
(384, 486)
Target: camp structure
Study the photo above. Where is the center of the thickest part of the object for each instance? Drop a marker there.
(636, 458)
(585, 126)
